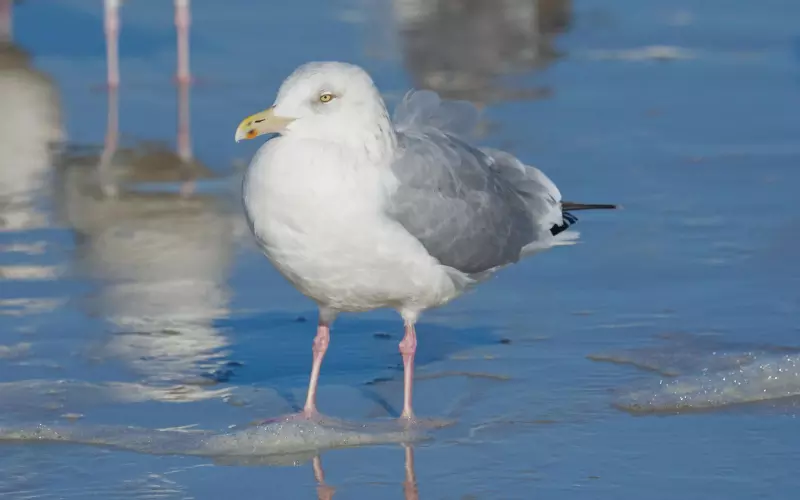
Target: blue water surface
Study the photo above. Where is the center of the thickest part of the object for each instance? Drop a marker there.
(157, 310)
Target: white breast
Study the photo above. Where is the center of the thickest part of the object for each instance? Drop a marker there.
(316, 210)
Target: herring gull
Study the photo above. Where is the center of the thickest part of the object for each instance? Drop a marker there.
(360, 211)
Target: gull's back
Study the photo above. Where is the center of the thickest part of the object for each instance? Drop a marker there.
(473, 209)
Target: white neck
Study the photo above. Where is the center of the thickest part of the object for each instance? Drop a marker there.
(374, 136)
(369, 135)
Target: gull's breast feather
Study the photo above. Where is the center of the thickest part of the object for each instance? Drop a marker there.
(317, 213)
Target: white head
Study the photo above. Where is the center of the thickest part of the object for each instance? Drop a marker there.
(330, 101)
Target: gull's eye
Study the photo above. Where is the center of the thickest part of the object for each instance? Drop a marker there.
(326, 97)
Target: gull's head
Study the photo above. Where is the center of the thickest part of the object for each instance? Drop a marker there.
(320, 99)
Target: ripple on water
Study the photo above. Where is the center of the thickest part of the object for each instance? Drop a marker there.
(283, 441)
(703, 375)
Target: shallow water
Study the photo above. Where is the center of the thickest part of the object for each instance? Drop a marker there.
(136, 329)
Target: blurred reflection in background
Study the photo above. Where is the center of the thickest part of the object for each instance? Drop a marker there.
(463, 48)
(160, 254)
(29, 129)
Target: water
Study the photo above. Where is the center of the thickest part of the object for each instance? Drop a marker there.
(143, 334)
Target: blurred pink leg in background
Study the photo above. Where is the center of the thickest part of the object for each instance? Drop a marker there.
(184, 77)
(182, 22)
(111, 25)
(6, 23)
(184, 117)
(184, 133)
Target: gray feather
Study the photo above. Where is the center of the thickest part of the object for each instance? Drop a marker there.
(473, 209)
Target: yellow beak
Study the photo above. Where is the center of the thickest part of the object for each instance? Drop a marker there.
(265, 122)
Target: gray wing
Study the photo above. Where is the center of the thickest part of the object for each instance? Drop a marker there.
(472, 209)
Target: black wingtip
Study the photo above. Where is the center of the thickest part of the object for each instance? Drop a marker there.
(568, 220)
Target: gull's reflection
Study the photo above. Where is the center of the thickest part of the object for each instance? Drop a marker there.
(463, 48)
(6, 21)
(30, 127)
(410, 488)
(324, 491)
(160, 258)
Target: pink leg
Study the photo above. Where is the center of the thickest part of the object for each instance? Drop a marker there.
(321, 342)
(182, 22)
(112, 39)
(6, 25)
(408, 347)
(184, 133)
(184, 121)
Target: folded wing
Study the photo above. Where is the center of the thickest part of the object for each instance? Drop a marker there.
(473, 209)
